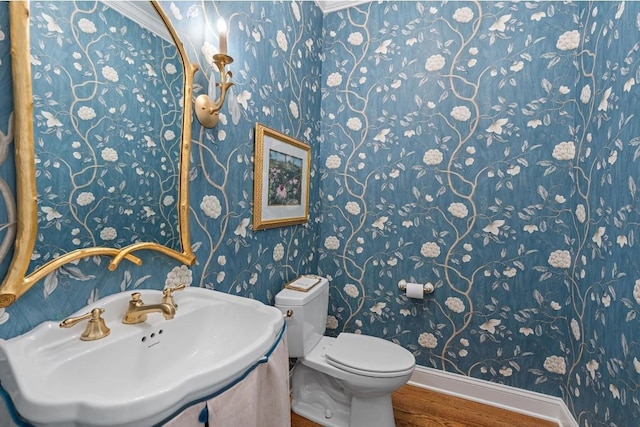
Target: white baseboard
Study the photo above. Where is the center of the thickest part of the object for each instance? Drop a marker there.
(517, 400)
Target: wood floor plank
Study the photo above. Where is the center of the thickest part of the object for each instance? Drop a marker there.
(418, 407)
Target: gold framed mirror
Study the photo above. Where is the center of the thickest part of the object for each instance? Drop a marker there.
(31, 206)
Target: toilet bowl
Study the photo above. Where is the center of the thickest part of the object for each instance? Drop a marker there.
(342, 381)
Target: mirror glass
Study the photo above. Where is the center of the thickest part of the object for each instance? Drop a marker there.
(102, 152)
(107, 117)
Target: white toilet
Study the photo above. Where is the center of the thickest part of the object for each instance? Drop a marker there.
(343, 381)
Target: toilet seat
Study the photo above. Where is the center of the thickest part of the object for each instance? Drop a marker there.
(369, 356)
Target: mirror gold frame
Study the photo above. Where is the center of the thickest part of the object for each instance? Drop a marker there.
(16, 282)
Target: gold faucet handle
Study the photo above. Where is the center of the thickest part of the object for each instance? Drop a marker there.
(167, 294)
(135, 299)
(96, 328)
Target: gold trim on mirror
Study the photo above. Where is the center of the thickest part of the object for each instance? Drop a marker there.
(16, 282)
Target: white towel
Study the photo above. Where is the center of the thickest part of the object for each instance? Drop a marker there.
(260, 400)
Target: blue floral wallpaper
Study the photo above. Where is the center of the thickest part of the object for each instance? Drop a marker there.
(488, 147)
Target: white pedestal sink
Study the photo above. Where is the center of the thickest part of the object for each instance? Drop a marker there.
(141, 374)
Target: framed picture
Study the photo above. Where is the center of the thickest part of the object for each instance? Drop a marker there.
(281, 180)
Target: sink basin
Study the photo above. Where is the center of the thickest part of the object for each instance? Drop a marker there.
(139, 374)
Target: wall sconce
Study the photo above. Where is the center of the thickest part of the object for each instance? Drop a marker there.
(206, 109)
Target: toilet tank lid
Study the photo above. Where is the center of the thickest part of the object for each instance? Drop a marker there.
(288, 297)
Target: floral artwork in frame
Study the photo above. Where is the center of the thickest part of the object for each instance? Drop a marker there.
(281, 179)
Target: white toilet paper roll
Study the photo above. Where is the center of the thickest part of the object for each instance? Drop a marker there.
(415, 290)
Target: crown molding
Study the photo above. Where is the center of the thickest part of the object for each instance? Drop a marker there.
(143, 13)
(334, 5)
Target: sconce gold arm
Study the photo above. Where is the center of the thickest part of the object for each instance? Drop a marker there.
(206, 109)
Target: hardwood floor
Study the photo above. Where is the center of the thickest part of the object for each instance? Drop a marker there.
(417, 407)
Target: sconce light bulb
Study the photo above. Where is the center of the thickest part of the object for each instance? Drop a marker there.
(207, 106)
(211, 90)
(222, 35)
(222, 26)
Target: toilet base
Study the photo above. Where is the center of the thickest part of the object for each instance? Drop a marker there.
(372, 411)
(316, 414)
(324, 400)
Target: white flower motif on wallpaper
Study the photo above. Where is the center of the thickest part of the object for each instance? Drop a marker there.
(334, 79)
(332, 322)
(87, 26)
(278, 252)
(568, 40)
(564, 151)
(556, 365)
(380, 222)
(355, 38)
(427, 340)
(455, 304)
(86, 113)
(110, 73)
(85, 198)
(181, 275)
(430, 250)
(560, 259)
(351, 290)
(490, 325)
(332, 243)
(52, 121)
(108, 233)
(458, 210)
(494, 227)
(170, 68)
(433, 157)
(463, 15)
(500, 23)
(461, 113)
(435, 63)
(496, 127)
(211, 207)
(585, 94)
(636, 291)
(109, 155)
(241, 229)
(282, 41)
(354, 123)
(333, 162)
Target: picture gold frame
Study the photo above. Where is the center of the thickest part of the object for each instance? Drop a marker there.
(281, 177)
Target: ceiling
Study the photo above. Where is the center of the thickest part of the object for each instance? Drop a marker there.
(332, 5)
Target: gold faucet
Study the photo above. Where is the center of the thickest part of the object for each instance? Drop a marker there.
(137, 311)
(96, 328)
(167, 294)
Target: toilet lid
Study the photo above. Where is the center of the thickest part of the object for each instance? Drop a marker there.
(365, 354)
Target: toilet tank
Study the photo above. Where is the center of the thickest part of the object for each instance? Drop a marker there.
(308, 320)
